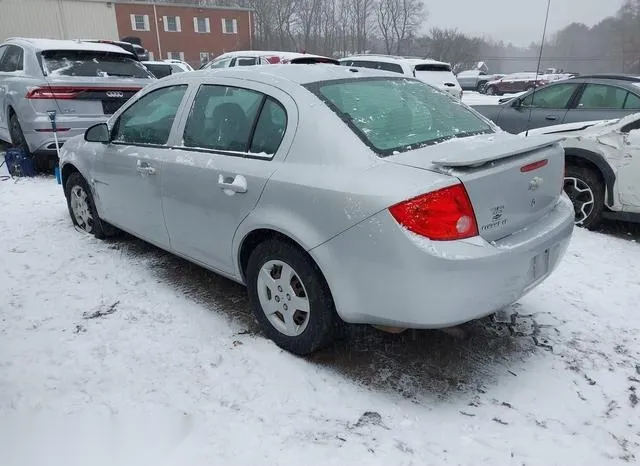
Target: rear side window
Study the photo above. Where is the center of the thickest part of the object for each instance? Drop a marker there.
(632, 102)
(396, 115)
(235, 120)
(246, 61)
(149, 119)
(602, 96)
(159, 71)
(12, 59)
(87, 63)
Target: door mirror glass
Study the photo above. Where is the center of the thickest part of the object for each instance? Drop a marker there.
(97, 133)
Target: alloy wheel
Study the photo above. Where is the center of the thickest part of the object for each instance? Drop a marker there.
(283, 298)
(80, 208)
(581, 196)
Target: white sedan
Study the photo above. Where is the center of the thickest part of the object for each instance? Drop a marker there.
(602, 176)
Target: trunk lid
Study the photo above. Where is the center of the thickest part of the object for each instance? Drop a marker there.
(512, 182)
(89, 83)
(437, 75)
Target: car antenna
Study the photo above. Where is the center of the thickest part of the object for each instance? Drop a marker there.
(533, 94)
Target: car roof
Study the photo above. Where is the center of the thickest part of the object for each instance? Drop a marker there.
(294, 74)
(617, 77)
(395, 59)
(59, 44)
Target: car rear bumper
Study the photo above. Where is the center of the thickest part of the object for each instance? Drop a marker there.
(381, 274)
(40, 138)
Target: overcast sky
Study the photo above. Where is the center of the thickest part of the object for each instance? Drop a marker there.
(518, 21)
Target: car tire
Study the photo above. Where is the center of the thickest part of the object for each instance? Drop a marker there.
(491, 90)
(297, 313)
(480, 87)
(82, 208)
(586, 191)
(41, 163)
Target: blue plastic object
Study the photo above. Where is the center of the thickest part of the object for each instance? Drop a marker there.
(56, 171)
(18, 163)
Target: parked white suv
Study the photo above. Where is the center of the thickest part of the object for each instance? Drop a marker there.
(433, 72)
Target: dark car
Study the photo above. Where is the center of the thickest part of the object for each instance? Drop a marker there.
(140, 52)
(516, 82)
(567, 101)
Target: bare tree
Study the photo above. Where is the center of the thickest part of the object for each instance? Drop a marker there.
(398, 21)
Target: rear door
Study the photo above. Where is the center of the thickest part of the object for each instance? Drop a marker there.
(602, 102)
(544, 107)
(91, 83)
(234, 138)
(127, 173)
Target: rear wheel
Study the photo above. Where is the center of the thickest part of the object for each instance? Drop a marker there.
(41, 162)
(586, 191)
(290, 298)
(481, 85)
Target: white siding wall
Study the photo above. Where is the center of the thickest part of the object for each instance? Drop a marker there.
(58, 19)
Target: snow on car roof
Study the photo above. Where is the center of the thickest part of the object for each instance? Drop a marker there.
(263, 53)
(56, 44)
(395, 59)
(294, 74)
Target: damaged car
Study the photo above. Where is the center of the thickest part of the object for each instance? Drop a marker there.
(602, 175)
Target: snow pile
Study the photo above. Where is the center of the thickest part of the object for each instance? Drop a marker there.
(117, 353)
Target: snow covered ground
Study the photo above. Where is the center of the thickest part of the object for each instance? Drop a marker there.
(475, 98)
(115, 353)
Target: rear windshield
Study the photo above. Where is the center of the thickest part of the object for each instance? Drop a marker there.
(432, 67)
(398, 114)
(313, 60)
(87, 63)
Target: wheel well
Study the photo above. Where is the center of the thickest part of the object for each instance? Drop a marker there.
(587, 160)
(256, 237)
(67, 170)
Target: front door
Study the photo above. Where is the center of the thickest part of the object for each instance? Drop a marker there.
(545, 107)
(215, 179)
(128, 172)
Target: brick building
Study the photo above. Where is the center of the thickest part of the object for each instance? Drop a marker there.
(190, 33)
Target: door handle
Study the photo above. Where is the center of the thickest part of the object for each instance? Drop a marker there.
(144, 168)
(232, 184)
(551, 117)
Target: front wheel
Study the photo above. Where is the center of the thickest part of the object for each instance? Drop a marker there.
(491, 90)
(586, 191)
(82, 208)
(290, 298)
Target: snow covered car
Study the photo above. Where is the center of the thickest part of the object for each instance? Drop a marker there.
(334, 194)
(602, 176)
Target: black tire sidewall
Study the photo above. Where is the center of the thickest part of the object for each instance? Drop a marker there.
(324, 323)
(76, 179)
(13, 122)
(591, 179)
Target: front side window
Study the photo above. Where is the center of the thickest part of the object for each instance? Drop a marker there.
(223, 63)
(396, 114)
(149, 119)
(601, 96)
(87, 63)
(222, 118)
(555, 96)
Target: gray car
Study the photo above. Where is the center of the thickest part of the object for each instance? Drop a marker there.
(83, 82)
(475, 80)
(568, 101)
(334, 194)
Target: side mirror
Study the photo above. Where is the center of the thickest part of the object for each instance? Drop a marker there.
(517, 103)
(97, 133)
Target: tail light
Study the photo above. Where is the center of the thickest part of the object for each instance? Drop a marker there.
(443, 215)
(51, 92)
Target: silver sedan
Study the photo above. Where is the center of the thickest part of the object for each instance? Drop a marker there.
(336, 195)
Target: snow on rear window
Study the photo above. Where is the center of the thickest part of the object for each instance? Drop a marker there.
(394, 115)
(87, 63)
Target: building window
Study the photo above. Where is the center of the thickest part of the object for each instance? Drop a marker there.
(172, 23)
(175, 56)
(204, 58)
(229, 26)
(201, 25)
(140, 22)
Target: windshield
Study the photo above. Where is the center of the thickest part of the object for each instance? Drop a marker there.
(87, 63)
(398, 114)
